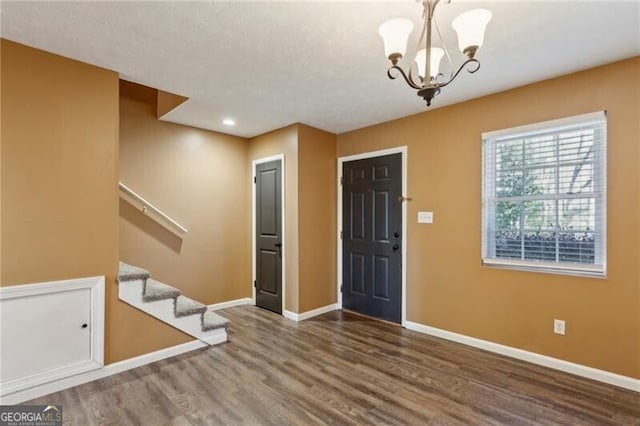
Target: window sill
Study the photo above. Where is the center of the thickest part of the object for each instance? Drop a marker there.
(546, 268)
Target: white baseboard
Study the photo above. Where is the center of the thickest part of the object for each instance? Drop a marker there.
(310, 314)
(108, 370)
(231, 303)
(532, 357)
(291, 315)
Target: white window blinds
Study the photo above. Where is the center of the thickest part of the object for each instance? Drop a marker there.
(544, 196)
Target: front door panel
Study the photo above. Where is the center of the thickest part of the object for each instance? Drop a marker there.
(372, 236)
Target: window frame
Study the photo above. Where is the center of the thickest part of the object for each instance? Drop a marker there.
(489, 197)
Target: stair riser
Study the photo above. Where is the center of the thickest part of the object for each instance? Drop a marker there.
(131, 291)
(214, 337)
(191, 324)
(132, 294)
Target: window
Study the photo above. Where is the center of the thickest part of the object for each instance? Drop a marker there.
(544, 196)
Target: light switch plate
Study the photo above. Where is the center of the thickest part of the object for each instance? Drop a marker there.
(425, 217)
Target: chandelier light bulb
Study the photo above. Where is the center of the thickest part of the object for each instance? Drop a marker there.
(421, 60)
(470, 27)
(395, 33)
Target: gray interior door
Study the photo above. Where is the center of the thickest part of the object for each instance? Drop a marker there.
(372, 237)
(269, 236)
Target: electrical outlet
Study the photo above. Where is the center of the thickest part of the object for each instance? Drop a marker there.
(558, 326)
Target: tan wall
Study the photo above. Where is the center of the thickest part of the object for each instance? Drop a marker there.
(283, 141)
(198, 178)
(59, 167)
(446, 285)
(167, 102)
(59, 170)
(317, 222)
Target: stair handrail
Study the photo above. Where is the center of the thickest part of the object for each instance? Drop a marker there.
(147, 206)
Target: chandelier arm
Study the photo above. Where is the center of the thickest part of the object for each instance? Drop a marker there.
(464, 64)
(402, 73)
(413, 79)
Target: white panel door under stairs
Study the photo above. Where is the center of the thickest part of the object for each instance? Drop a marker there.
(49, 331)
(169, 305)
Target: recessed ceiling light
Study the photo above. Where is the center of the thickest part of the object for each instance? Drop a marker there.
(228, 122)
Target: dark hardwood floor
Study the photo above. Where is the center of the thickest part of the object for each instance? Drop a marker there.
(340, 368)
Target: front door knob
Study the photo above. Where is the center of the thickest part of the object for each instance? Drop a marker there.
(395, 247)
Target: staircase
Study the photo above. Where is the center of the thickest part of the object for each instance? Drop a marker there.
(167, 303)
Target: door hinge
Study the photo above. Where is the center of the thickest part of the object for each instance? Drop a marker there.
(341, 234)
(254, 283)
(341, 288)
(341, 180)
(254, 179)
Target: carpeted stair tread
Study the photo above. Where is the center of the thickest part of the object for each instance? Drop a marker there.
(186, 306)
(211, 321)
(158, 291)
(128, 272)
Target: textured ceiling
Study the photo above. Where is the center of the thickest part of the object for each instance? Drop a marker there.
(270, 64)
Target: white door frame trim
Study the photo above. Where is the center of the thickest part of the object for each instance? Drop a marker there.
(254, 163)
(397, 150)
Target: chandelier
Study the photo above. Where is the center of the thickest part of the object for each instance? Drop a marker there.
(469, 26)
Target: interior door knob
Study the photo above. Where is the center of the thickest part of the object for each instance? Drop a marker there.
(395, 247)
